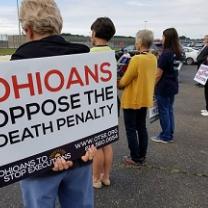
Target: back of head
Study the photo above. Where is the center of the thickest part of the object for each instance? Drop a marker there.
(43, 16)
(172, 41)
(206, 39)
(145, 38)
(103, 28)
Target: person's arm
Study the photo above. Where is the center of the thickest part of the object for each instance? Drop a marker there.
(202, 55)
(130, 74)
(159, 74)
(162, 64)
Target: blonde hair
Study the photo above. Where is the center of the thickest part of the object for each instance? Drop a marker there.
(43, 16)
(146, 37)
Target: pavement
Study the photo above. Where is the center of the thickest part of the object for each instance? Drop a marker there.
(5, 58)
(175, 175)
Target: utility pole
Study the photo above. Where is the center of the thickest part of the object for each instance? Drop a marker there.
(18, 16)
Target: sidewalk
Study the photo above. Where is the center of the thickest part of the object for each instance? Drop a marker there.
(5, 58)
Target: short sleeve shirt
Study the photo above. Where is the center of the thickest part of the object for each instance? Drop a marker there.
(168, 84)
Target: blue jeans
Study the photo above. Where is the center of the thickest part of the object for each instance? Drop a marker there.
(73, 187)
(136, 131)
(165, 108)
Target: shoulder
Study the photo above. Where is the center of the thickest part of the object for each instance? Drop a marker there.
(93, 49)
(23, 50)
(100, 49)
(50, 46)
(135, 59)
(144, 57)
(167, 53)
(206, 48)
(80, 48)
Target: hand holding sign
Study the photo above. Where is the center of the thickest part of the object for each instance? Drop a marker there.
(202, 74)
(61, 164)
(41, 129)
(89, 154)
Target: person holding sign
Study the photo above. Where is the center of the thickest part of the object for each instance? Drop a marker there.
(138, 84)
(103, 30)
(42, 23)
(205, 112)
(203, 53)
(167, 84)
(202, 59)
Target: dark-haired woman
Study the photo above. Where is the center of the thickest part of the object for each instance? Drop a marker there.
(167, 84)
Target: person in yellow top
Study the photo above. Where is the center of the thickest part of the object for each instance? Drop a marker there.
(103, 30)
(138, 88)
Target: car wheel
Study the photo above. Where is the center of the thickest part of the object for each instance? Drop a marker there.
(189, 61)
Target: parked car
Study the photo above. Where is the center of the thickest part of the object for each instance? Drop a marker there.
(157, 47)
(128, 49)
(198, 46)
(191, 55)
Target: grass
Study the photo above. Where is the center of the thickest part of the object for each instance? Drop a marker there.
(7, 51)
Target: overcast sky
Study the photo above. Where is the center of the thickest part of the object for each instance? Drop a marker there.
(189, 17)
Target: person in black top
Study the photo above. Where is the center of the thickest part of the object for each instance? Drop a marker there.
(202, 59)
(167, 84)
(202, 56)
(205, 112)
(42, 23)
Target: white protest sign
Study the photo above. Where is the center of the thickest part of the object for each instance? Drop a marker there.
(55, 106)
(202, 74)
(153, 112)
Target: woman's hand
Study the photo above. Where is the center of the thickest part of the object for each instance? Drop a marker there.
(89, 155)
(159, 74)
(61, 164)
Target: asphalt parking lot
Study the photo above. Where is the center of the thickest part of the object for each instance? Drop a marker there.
(175, 175)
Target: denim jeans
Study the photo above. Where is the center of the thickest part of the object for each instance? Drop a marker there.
(73, 187)
(165, 108)
(136, 131)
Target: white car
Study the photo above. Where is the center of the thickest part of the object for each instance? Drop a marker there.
(191, 55)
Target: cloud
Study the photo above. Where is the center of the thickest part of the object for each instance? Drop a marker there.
(8, 20)
(138, 4)
(189, 17)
